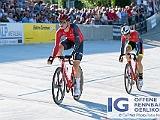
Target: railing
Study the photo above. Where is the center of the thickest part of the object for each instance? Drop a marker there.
(141, 27)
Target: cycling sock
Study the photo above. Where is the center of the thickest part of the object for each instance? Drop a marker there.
(140, 75)
(78, 83)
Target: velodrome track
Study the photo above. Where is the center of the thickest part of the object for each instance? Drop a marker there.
(25, 81)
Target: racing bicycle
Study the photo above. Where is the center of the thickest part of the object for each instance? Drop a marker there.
(63, 81)
(131, 75)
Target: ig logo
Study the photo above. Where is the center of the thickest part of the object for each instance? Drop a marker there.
(115, 104)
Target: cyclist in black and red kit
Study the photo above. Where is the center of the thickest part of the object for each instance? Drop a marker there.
(134, 42)
(74, 39)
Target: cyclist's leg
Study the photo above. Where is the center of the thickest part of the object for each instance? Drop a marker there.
(129, 47)
(140, 66)
(139, 58)
(77, 59)
(64, 45)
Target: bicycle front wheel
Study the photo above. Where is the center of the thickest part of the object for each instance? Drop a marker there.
(128, 80)
(58, 86)
(81, 85)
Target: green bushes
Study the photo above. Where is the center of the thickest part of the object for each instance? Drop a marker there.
(121, 3)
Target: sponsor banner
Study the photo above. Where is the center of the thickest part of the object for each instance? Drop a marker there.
(153, 21)
(116, 33)
(11, 33)
(133, 107)
(39, 33)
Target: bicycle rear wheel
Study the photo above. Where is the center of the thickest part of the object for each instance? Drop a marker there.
(128, 80)
(58, 86)
(137, 81)
(81, 85)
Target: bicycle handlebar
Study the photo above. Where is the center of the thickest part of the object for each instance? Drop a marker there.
(65, 57)
(134, 55)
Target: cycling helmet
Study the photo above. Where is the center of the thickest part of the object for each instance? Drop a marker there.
(63, 17)
(125, 30)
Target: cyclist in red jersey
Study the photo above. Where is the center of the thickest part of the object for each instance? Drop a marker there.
(134, 42)
(74, 39)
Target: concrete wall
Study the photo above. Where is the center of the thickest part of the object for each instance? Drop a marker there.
(96, 32)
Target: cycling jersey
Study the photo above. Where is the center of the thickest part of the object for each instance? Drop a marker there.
(135, 41)
(74, 34)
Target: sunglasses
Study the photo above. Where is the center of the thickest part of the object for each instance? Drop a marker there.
(62, 22)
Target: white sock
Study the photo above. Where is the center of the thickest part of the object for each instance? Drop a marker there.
(78, 83)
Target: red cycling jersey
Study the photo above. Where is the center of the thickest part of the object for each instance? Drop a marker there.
(74, 34)
(134, 37)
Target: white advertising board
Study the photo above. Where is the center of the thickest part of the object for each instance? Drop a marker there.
(11, 33)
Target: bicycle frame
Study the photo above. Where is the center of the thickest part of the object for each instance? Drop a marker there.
(64, 71)
(132, 71)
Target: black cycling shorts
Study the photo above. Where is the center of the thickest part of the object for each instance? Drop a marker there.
(69, 44)
(133, 46)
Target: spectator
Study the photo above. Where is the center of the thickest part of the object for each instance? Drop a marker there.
(18, 14)
(128, 10)
(92, 21)
(115, 17)
(38, 6)
(110, 17)
(14, 18)
(38, 20)
(10, 17)
(124, 15)
(118, 13)
(4, 18)
(22, 14)
(150, 10)
(1, 10)
(104, 18)
(33, 19)
(84, 14)
(45, 19)
(87, 22)
(26, 18)
(134, 15)
(72, 16)
(77, 20)
(81, 20)
(54, 17)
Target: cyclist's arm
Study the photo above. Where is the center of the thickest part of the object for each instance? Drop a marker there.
(77, 40)
(57, 41)
(122, 45)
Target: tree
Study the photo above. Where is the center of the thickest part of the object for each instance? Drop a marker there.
(95, 3)
(121, 3)
(62, 3)
(79, 5)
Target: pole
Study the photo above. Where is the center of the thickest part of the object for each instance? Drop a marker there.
(68, 4)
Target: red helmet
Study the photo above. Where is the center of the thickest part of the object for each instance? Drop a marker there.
(63, 17)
